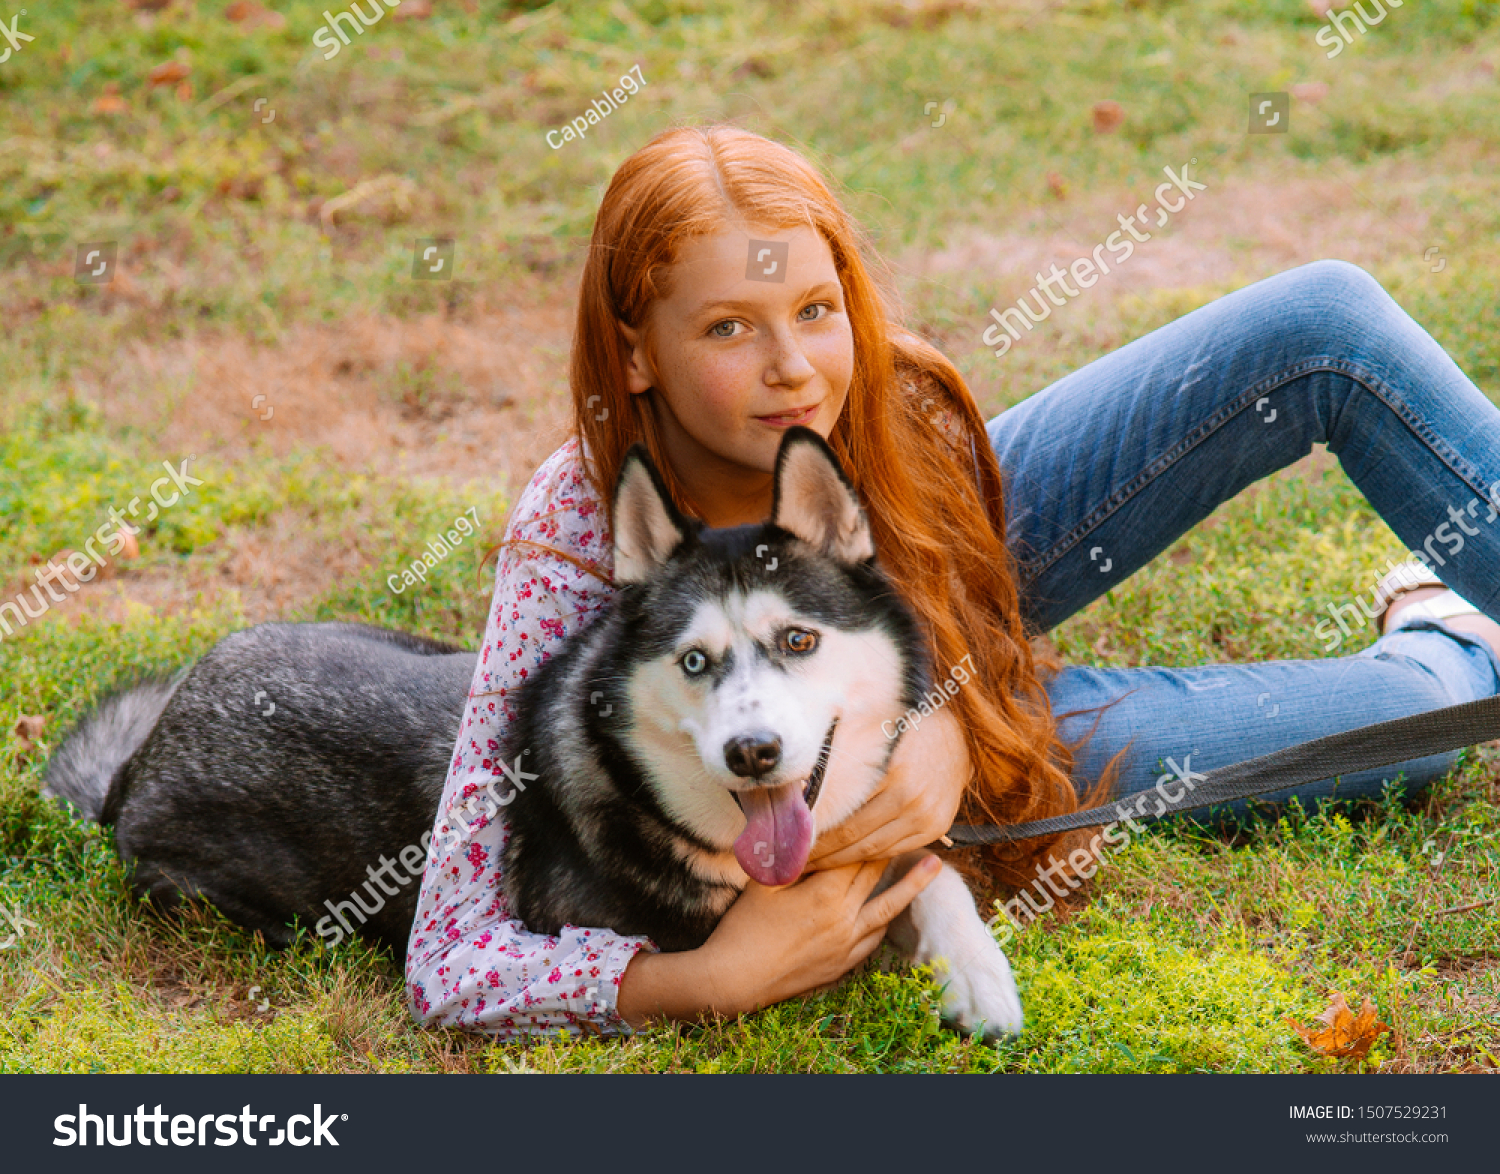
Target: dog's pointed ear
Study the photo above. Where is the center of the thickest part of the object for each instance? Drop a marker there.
(648, 527)
(816, 502)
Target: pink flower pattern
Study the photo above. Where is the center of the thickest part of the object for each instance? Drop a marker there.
(470, 964)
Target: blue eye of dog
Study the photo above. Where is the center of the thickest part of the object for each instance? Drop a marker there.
(799, 641)
(694, 663)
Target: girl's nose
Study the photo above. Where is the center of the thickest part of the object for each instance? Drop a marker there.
(788, 364)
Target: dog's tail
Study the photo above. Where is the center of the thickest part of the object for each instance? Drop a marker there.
(82, 768)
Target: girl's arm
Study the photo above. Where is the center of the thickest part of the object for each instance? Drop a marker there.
(773, 944)
(470, 963)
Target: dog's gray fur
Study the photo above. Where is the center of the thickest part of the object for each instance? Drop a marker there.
(267, 805)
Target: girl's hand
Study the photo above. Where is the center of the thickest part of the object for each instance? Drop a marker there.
(773, 944)
(915, 804)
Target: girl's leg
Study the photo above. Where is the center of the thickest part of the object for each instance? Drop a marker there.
(1108, 466)
(1186, 722)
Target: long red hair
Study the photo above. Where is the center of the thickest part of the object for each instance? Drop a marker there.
(933, 492)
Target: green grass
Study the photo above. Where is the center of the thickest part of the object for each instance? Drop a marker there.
(1195, 947)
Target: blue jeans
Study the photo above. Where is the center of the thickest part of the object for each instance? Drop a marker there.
(1111, 464)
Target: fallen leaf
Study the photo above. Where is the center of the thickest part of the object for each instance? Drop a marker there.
(929, 14)
(413, 10)
(127, 546)
(110, 101)
(253, 14)
(28, 729)
(149, 5)
(1344, 1033)
(1310, 91)
(168, 73)
(30, 725)
(753, 67)
(1108, 114)
(1057, 185)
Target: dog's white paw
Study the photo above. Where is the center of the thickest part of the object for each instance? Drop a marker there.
(942, 927)
(980, 996)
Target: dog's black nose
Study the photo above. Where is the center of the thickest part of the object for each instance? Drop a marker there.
(752, 755)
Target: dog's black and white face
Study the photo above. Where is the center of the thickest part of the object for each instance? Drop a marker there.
(769, 661)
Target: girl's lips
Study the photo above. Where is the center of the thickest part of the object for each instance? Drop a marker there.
(788, 419)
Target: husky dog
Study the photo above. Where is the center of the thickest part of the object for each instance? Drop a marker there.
(727, 706)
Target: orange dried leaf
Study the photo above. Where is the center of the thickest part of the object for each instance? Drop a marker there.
(253, 14)
(28, 729)
(1107, 115)
(30, 725)
(168, 73)
(110, 101)
(1310, 91)
(1343, 1032)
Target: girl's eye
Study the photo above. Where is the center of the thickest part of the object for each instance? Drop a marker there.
(694, 663)
(799, 641)
(814, 306)
(717, 333)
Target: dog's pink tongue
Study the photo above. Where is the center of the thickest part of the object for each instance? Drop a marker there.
(778, 834)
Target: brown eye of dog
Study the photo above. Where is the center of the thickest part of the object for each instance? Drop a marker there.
(799, 641)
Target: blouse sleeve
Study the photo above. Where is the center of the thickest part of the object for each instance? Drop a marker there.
(470, 963)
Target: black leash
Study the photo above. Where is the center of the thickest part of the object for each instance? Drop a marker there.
(1363, 748)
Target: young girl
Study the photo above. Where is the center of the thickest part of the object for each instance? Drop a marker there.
(725, 298)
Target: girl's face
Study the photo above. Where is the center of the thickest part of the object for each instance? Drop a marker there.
(741, 360)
